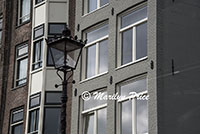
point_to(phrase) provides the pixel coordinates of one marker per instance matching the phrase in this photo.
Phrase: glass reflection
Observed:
(127, 40)
(103, 56)
(142, 117)
(126, 117)
(102, 115)
(92, 102)
(91, 61)
(141, 41)
(134, 17)
(89, 124)
(136, 86)
(97, 34)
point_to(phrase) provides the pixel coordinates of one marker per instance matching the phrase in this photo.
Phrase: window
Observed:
(56, 29)
(38, 1)
(52, 112)
(24, 11)
(133, 109)
(94, 115)
(37, 54)
(1, 25)
(17, 116)
(21, 64)
(38, 31)
(91, 5)
(133, 35)
(34, 100)
(34, 114)
(33, 121)
(97, 51)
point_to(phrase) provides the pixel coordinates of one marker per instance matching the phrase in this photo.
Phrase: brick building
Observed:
(147, 47)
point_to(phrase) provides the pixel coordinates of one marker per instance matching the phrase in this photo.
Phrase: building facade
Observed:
(146, 52)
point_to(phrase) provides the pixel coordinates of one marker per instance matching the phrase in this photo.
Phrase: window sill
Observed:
(36, 70)
(26, 22)
(131, 63)
(93, 77)
(20, 86)
(39, 4)
(95, 10)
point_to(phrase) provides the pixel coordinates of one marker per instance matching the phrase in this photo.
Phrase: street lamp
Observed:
(65, 53)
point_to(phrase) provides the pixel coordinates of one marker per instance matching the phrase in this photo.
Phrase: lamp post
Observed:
(65, 53)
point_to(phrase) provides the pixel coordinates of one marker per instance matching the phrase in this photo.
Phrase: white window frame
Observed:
(91, 111)
(18, 58)
(86, 7)
(18, 122)
(133, 102)
(133, 27)
(95, 42)
(19, 13)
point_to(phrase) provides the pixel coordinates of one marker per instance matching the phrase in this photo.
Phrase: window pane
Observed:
(133, 17)
(38, 52)
(0, 35)
(52, 121)
(103, 2)
(92, 5)
(56, 28)
(39, 31)
(91, 61)
(89, 124)
(92, 102)
(22, 51)
(1, 23)
(22, 68)
(17, 129)
(136, 86)
(25, 10)
(31, 121)
(37, 119)
(35, 101)
(17, 116)
(141, 41)
(102, 121)
(142, 117)
(126, 117)
(52, 98)
(127, 40)
(38, 1)
(96, 34)
(103, 56)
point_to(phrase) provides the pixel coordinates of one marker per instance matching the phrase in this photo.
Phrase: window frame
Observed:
(34, 109)
(133, 27)
(38, 28)
(54, 34)
(97, 43)
(16, 123)
(40, 61)
(133, 103)
(17, 59)
(19, 22)
(50, 105)
(86, 6)
(90, 111)
(35, 96)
